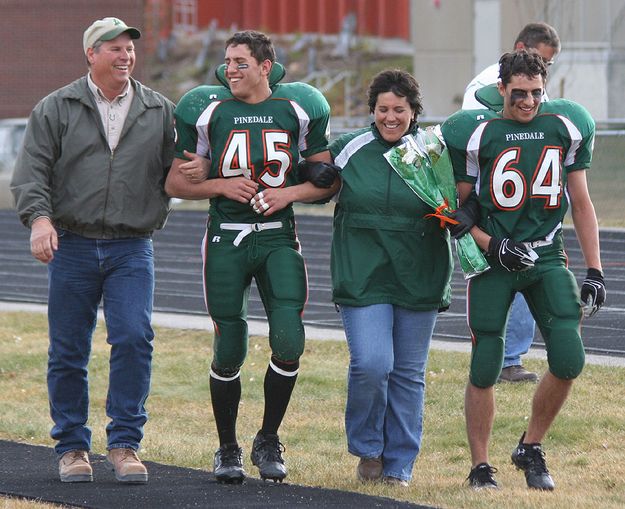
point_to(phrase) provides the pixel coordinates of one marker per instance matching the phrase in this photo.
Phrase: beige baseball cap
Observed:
(106, 29)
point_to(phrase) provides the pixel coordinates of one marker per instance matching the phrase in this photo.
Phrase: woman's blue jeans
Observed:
(388, 348)
(120, 273)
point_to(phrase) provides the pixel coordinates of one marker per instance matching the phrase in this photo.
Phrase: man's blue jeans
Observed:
(120, 273)
(388, 348)
(519, 332)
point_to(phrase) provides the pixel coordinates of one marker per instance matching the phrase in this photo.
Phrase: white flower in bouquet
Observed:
(434, 143)
(409, 156)
(434, 151)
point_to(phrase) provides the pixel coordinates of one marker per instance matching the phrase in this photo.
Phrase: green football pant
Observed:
(273, 259)
(553, 298)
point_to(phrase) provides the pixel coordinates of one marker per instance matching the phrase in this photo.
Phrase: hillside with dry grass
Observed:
(341, 72)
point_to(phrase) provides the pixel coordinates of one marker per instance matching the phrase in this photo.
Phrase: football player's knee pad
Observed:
(565, 350)
(486, 361)
(230, 342)
(234, 328)
(286, 334)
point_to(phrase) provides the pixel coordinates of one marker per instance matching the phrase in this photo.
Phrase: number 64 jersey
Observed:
(262, 141)
(520, 170)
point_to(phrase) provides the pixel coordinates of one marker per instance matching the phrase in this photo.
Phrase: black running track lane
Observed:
(179, 283)
(28, 471)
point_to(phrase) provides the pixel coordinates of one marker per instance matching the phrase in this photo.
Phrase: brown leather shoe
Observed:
(517, 374)
(74, 467)
(127, 466)
(369, 469)
(395, 481)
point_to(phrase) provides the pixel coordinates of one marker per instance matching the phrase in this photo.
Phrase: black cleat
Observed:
(481, 477)
(229, 464)
(531, 459)
(267, 456)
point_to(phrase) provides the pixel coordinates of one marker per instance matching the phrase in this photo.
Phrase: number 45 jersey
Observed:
(520, 170)
(262, 141)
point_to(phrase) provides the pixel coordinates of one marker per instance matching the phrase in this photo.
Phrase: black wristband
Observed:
(493, 246)
(594, 273)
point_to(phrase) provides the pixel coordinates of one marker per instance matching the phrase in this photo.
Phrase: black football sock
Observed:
(225, 396)
(279, 382)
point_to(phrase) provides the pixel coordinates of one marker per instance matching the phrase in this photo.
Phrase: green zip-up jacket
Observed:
(65, 169)
(383, 249)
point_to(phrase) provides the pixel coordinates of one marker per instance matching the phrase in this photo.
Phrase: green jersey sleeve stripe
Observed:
(576, 140)
(473, 150)
(203, 144)
(304, 122)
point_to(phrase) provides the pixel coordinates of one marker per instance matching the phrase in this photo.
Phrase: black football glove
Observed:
(593, 292)
(318, 173)
(467, 215)
(514, 256)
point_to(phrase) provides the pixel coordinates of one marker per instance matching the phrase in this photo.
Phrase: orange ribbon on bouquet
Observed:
(438, 213)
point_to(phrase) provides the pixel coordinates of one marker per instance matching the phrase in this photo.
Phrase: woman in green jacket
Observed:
(391, 271)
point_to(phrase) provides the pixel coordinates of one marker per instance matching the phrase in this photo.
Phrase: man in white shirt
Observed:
(540, 37)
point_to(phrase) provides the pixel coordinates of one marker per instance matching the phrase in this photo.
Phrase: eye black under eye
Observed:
(519, 95)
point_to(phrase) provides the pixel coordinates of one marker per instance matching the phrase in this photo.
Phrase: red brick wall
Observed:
(41, 46)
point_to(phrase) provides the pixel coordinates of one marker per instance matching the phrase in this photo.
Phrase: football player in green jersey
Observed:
(543, 39)
(526, 164)
(239, 145)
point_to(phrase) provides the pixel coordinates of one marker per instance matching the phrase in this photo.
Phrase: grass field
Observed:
(584, 448)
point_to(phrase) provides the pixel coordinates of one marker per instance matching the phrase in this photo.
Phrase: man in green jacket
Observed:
(89, 183)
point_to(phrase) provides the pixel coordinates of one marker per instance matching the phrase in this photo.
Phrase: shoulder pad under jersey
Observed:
(490, 97)
(196, 100)
(275, 75)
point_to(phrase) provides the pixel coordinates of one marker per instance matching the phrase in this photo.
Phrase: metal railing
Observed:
(325, 81)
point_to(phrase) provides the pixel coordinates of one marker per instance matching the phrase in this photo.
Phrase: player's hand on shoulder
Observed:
(593, 292)
(318, 173)
(513, 256)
